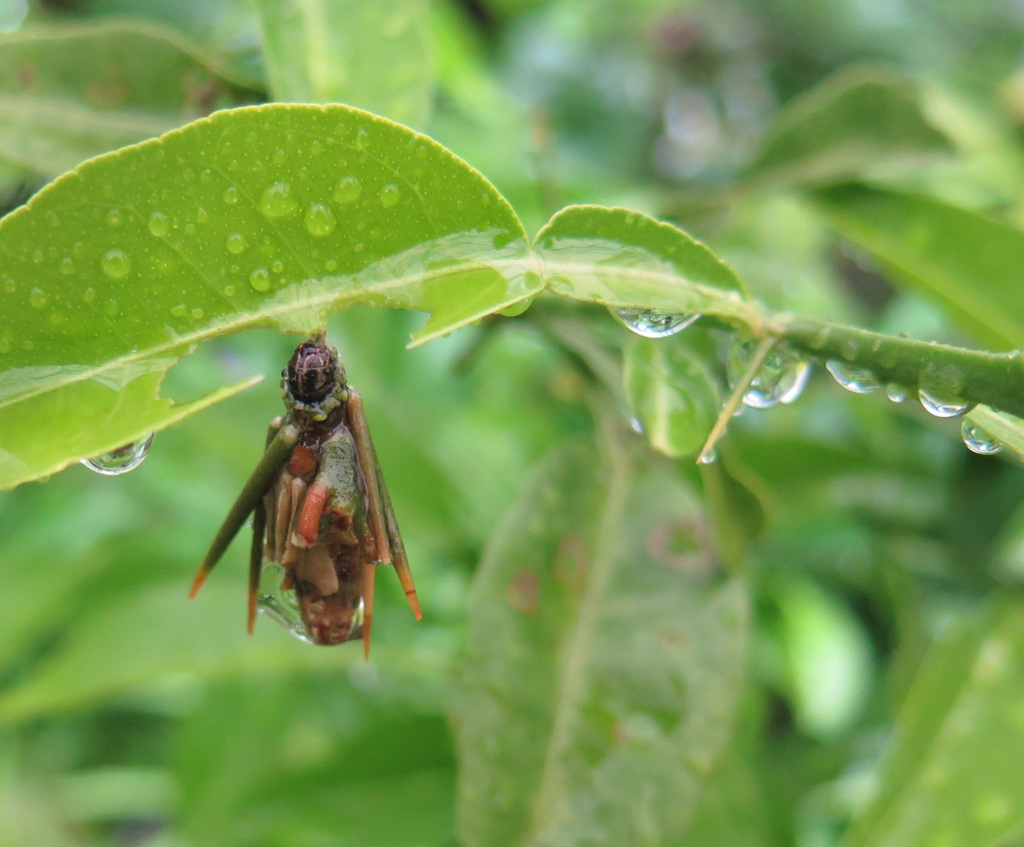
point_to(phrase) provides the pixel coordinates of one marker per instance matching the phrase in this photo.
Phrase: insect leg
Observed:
(259, 523)
(381, 513)
(369, 572)
(274, 456)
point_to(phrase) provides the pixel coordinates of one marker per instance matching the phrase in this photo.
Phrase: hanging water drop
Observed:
(708, 458)
(857, 380)
(121, 460)
(780, 379)
(943, 407)
(896, 393)
(651, 323)
(979, 440)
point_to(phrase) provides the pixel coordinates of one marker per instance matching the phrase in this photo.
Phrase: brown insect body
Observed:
(321, 508)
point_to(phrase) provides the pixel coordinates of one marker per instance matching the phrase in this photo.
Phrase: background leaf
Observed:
(69, 93)
(951, 769)
(376, 56)
(859, 121)
(672, 393)
(966, 261)
(268, 215)
(603, 674)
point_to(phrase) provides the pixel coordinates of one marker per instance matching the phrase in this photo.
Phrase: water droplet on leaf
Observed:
(857, 380)
(389, 195)
(708, 458)
(236, 243)
(347, 190)
(320, 220)
(651, 323)
(115, 217)
(277, 201)
(37, 298)
(231, 195)
(179, 311)
(159, 224)
(121, 460)
(979, 440)
(259, 279)
(66, 266)
(116, 264)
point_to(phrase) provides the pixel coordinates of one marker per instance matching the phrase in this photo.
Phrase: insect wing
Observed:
(282, 438)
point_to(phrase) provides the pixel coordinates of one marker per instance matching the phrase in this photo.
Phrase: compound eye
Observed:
(311, 372)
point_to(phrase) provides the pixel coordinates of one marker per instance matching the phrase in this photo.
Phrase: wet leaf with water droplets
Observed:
(781, 378)
(83, 381)
(627, 260)
(857, 380)
(604, 702)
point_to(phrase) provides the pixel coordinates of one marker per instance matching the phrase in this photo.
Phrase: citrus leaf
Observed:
(951, 774)
(672, 394)
(860, 119)
(626, 259)
(968, 262)
(376, 56)
(68, 93)
(605, 664)
(268, 215)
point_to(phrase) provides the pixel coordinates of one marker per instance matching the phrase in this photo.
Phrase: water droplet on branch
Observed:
(979, 440)
(857, 380)
(121, 460)
(781, 378)
(943, 407)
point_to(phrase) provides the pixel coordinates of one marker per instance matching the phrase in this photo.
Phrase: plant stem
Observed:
(994, 379)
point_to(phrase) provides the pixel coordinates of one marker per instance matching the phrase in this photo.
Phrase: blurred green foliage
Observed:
(617, 647)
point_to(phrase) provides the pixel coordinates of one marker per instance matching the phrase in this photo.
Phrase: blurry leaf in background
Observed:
(605, 662)
(375, 56)
(272, 215)
(968, 262)
(951, 773)
(672, 393)
(72, 92)
(863, 120)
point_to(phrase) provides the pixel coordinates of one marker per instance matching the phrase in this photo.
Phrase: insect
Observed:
(321, 510)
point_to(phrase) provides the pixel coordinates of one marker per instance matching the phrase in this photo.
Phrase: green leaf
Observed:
(856, 121)
(672, 393)
(72, 92)
(605, 664)
(376, 56)
(968, 262)
(623, 258)
(271, 215)
(953, 767)
(127, 645)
